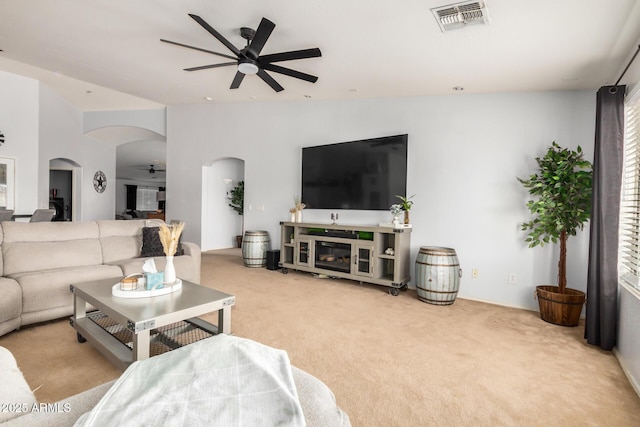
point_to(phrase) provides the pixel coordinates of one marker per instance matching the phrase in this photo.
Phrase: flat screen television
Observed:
(365, 174)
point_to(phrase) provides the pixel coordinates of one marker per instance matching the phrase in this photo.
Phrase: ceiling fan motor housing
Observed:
(247, 33)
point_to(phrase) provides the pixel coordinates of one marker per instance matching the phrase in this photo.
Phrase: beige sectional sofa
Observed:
(38, 262)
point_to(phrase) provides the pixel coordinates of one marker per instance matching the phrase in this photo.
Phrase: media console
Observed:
(378, 255)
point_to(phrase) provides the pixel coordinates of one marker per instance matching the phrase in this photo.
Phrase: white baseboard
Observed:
(633, 381)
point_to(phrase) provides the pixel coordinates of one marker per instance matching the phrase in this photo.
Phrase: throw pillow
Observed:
(151, 244)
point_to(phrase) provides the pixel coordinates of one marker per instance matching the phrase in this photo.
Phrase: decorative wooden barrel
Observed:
(438, 275)
(255, 245)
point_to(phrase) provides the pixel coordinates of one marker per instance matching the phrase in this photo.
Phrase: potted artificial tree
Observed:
(562, 186)
(236, 202)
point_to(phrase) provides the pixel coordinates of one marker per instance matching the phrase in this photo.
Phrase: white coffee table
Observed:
(141, 315)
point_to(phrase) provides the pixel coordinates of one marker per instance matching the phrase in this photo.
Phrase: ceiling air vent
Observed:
(458, 15)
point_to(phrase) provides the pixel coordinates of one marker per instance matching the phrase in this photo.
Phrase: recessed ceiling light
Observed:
(208, 98)
(353, 90)
(88, 92)
(458, 88)
(307, 96)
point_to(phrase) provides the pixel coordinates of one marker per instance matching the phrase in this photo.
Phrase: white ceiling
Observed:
(107, 54)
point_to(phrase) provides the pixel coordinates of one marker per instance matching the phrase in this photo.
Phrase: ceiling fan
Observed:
(249, 60)
(151, 169)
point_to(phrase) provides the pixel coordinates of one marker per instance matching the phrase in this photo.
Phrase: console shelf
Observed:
(371, 254)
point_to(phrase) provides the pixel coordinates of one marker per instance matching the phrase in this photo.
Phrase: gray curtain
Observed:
(602, 280)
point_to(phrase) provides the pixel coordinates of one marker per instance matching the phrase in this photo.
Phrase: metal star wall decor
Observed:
(1, 138)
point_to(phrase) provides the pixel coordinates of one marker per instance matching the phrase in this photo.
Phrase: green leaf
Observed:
(562, 195)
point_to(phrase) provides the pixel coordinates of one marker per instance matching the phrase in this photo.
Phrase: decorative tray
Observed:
(141, 292)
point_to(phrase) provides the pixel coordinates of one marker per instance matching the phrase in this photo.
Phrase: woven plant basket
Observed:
(560, 309)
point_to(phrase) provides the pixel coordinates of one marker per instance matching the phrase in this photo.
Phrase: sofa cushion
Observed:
(151, 244)
(15, 394)
(11, 300)
(24, 257)
(49, 289)
(49, 231)
(119, 247)
(49, 245)
(10, 305)
(119, 239)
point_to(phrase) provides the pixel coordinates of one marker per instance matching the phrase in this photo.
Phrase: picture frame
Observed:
(7, 183)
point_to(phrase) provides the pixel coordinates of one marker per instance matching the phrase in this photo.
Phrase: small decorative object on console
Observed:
(299, 206)
(396, 210)
(406, 206)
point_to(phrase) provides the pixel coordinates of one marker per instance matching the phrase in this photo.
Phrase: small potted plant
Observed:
(562, 187)
(395, 210)
(406, 204)
(236, 202)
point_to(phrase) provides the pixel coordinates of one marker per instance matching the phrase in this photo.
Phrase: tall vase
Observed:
(169, 272)
(299, 215)
(406, 217)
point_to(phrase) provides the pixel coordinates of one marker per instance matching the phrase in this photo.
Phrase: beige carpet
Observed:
(391, 361)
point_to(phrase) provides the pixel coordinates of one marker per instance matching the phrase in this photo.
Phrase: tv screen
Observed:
(365, 174)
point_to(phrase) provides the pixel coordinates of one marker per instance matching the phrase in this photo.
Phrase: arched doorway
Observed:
(220, 223)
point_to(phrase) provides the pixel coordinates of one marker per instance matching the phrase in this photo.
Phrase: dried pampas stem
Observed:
(169, 237)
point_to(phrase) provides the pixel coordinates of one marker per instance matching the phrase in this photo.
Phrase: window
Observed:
(629, 245)
(146, 199)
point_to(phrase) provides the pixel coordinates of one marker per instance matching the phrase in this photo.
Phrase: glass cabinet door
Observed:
(363, 260)
(303, 252)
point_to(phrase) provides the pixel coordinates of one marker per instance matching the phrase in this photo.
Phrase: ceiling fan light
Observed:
(247, 68)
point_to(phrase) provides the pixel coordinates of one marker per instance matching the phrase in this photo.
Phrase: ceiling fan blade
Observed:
(205, 67)
(269, 80)
(197, 48)
(290, 72)
(288, 56)
(235, 84)
(217, 35)
(260, 38)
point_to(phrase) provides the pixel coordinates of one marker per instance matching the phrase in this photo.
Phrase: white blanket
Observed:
(219, 381)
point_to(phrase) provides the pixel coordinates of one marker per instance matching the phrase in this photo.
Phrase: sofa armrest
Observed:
(15, 394)
(318, 402)
(194, 251)
(65, 412)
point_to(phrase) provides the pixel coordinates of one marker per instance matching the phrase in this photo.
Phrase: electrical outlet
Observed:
(513, 279)
(474, 273)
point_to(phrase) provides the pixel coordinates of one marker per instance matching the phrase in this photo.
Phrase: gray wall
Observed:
(465, 152)
(39, 126)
